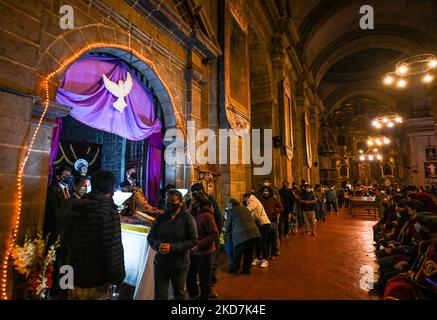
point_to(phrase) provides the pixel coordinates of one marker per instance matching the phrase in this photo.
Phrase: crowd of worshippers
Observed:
(187, 232)
(405, 240)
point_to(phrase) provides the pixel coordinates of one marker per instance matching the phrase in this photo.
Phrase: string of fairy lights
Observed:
(19, 198)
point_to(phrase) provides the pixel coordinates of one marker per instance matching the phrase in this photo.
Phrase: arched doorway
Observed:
(118, 153)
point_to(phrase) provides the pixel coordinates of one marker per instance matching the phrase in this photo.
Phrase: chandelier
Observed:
(387, 119)
(378, 141)
(415, 65)
(372, 156)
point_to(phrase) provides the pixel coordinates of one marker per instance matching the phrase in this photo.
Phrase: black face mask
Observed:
(133, 176)
(404, 214)
(67, 180)
(172, 208)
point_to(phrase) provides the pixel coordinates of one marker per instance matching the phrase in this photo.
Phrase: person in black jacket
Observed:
(244, 233)
(173, 235)
(92, 241)
(287, 200)
(218, 218)
(202, 253)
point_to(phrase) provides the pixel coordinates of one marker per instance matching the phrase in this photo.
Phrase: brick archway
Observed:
(100, 38)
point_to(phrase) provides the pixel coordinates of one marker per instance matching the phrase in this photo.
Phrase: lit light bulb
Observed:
(379, 157)
(389, 80)
(375, 150)
(398, 119)
(378, 126)
(370, 142)
(390, 124)
(375, 123)
(385, 120)
(361, 151)
(387, 141)
(378, 142)
(428, 78)
(402, 69)
(362, 158)
(402, 83)
(371, 158)
(432, 63)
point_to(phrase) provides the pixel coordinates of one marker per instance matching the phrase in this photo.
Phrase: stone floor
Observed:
(323, 267)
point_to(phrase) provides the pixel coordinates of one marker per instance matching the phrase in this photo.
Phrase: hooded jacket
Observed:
(92, 242)
(206, 229)
(257, 210)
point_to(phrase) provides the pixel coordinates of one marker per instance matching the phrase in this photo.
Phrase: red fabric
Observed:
(429, 205)
(399, 288)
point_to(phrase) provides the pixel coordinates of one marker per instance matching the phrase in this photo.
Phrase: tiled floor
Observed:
(323, 267)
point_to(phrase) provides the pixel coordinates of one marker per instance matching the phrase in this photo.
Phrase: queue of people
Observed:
(186, 234)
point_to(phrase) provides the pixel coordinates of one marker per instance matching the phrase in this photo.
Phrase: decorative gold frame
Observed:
(308, 146)
(287, 105)
(237, 113)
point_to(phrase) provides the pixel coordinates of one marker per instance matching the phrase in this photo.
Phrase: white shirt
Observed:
(257, 210)
(64, 190)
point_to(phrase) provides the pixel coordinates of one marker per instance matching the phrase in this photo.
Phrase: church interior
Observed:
(337, 99)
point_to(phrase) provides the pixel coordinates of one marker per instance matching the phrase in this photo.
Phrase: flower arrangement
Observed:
(35, 262)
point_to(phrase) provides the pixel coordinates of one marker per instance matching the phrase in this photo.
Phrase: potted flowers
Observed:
(35, 261)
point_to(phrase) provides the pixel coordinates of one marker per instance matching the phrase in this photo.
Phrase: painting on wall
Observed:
(308, 140)
(288, 119)
(237, 68)
(431, 169)
(430, 154)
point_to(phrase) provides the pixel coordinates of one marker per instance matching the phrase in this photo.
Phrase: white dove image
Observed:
(120, 90)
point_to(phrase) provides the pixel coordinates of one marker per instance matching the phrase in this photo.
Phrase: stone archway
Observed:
(60, 54)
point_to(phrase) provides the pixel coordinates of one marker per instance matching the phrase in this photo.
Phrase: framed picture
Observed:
(308, 140)
(430, 154)
(431, 169)
(237, 67)
(287, 124)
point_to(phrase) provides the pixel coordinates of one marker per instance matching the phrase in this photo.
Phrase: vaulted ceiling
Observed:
(346, 60)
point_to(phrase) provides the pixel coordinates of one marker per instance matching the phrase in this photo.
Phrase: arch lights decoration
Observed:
(20, 175)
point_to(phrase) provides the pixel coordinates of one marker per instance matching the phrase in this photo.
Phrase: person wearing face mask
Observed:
(202, 254)
(58, 198)
(137, 205)
(82, 186)
(172, 236)
(92, 241)
(268, 183)
(130, 181)
(309, 203)
(264, 225)
(409, 237)
(57, 195)
(273, 208)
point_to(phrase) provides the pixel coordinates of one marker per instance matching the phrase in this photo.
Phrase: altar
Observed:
(363, 206)
(138, 260)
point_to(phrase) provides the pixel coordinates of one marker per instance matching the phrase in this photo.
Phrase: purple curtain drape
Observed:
(84, 90)
(56, 134)
(154, 168)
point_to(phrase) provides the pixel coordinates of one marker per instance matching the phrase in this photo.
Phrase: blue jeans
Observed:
(229, 251)
(320, 211)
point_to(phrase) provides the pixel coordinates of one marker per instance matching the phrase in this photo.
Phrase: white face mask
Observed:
(88, 188)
